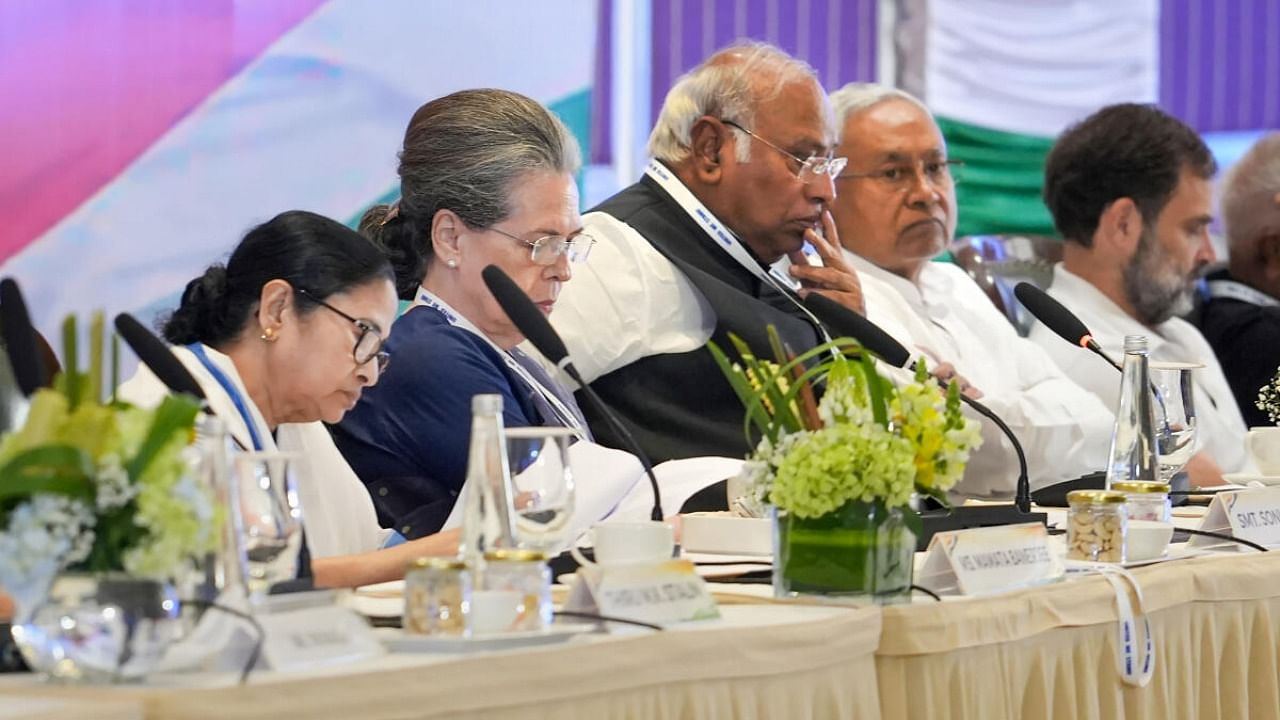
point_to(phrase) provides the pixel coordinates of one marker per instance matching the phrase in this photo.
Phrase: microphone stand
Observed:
(623, 433)
(975, 516)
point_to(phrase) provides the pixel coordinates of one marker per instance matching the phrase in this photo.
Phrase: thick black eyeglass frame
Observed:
(382, 356)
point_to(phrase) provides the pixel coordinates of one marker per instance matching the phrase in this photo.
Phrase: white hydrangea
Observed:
(114, 488)
(45, 534)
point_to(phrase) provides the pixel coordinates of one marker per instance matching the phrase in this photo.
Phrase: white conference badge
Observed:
(981, 561)
(1252, 515)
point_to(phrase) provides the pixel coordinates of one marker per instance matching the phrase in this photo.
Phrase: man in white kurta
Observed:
(895, 211)
(1129, 190)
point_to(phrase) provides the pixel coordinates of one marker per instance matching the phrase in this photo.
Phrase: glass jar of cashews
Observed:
(1097, 522)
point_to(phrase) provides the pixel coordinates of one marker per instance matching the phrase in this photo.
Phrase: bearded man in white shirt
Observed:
(1128, 188)
(895, 211)
(741, 178)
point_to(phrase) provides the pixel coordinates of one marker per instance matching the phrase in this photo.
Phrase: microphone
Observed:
(20, 339)
(531, 323)
(158, 358)
(846, 322)
(1059, 319)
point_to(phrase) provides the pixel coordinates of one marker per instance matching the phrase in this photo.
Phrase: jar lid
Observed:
(1096, 497)
(1139, 486)
(437, 562)
(515, 555)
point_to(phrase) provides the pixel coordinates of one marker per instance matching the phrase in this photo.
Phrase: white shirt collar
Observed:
(1103, 317)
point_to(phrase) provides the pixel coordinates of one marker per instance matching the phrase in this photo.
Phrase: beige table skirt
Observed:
(1051, 652)
(822, 667)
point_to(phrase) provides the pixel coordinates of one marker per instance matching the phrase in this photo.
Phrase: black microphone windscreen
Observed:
(157, 356)
(528, 319)
(846, 322)
(20, 338)
(1052, 313)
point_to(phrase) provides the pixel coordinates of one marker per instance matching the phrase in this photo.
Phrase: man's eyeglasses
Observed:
(547, 250)
(939, 173)
(368, 344)
(811, 167)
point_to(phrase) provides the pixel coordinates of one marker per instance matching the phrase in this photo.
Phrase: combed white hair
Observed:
(1249, 209)
(856, 97)
(730, 84)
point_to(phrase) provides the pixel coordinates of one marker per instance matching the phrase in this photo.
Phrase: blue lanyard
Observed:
(232, 391)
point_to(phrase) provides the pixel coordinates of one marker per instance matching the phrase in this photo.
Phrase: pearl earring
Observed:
(451, 263)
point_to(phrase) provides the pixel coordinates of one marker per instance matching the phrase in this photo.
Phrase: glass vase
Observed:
(860, 553)
(106, 628)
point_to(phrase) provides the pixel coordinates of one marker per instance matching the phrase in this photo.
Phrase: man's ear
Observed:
(1120, 228)
(709, 146)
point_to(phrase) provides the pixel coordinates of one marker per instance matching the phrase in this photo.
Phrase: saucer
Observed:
(402, 642)
(1245, 478)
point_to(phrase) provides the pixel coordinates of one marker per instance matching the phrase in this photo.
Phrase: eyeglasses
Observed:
(939, 173)
(547, 250)
(811, 167)
(368, 345)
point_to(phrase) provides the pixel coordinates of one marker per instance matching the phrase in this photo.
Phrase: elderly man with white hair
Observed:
(1241, 320)
(895, 212)
(741, 177)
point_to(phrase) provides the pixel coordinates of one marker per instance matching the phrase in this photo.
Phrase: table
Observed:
(1046, 652)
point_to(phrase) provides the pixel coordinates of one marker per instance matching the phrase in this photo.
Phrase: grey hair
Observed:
(856, 97)
(730, 84)
(1248, 199)
(464, 152)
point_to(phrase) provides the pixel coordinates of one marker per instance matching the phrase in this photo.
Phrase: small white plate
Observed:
(402, 642)
(1245, 478)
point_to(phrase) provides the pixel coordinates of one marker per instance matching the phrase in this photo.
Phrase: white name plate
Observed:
(1252, 515)
(659, 593)
(981, 561)
(312, 637)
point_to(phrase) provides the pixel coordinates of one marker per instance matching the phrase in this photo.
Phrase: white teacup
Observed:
(628, 543)
(1147, 540)
(494, 611)
(1264, 446)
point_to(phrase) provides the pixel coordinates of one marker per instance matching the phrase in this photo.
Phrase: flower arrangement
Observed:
(865, 440)
(1269, 398)
(95, 485)
(839, 452)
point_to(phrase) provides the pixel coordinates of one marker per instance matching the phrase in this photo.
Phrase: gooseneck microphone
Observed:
(533, 324)
(20, 339)
(1059, 319)
(158, 358)
(846, 322)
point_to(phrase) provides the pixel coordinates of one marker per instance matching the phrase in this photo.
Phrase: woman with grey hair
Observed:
(486, 177)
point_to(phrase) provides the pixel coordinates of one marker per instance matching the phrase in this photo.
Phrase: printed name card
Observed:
(1252, 515)
(981, 561)
(659, 593)
(309, 637)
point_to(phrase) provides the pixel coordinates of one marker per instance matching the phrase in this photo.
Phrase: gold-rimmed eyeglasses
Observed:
(368, 344)
(547, 250)
(811, 167)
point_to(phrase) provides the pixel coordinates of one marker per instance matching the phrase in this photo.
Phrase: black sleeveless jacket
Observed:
(679, 405)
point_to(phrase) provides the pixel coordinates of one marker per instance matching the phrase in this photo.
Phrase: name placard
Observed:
(1252, 515)
(988, 560)
(310, 637)
(665, 592)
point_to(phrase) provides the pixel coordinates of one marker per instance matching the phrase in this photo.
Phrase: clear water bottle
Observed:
(488, 521)
(1133, 456)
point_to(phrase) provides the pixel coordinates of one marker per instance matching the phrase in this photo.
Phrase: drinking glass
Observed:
(543, 485)
(1175, 415)
(271, 517)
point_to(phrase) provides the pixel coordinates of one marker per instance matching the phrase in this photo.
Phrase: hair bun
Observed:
(199, 312)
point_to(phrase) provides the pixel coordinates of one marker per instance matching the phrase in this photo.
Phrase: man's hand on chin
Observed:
(834, 278)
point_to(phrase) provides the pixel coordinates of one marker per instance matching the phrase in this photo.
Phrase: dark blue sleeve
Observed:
(408, 436)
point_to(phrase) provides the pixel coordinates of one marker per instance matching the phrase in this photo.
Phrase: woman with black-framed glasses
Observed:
(286, 334)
